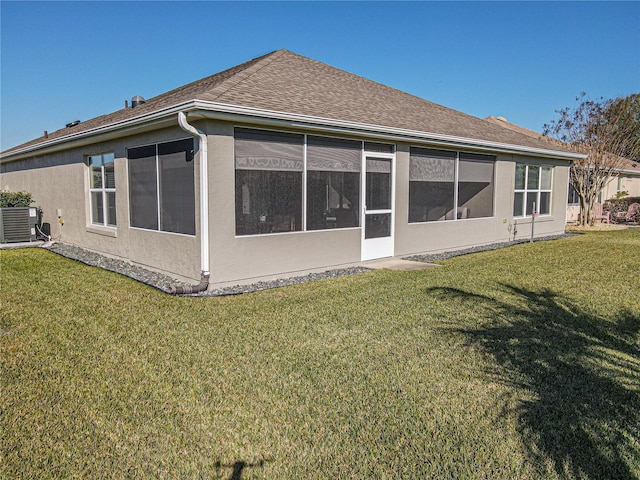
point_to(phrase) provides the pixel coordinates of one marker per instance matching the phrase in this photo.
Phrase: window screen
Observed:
(378, 184)
(269, 169)
(475, 186)
(161, 187)
(143, 187)
(431, 184)
(262, 150)
(333, 183)
(177, 191)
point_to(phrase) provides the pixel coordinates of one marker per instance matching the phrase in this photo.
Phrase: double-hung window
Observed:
(532, 190)
(161, 187)
(102, 189)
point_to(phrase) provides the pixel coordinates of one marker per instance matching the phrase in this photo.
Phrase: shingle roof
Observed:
(283, 81)
(626, 164)
(517, 128)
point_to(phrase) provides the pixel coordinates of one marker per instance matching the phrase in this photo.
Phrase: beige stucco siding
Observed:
(626, 182)
(412, 238)
(61, 181)
(238, 258)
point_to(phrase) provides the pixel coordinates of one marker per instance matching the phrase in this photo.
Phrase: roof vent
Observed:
(502, 119)
(137, 100)
(72, 124)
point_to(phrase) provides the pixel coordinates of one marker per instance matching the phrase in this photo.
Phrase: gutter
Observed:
(204, 209)
(229, 112)
(222, 111)
(85, 137)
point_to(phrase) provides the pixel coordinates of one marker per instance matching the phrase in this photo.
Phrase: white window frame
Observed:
(525, 191)
(103, 190)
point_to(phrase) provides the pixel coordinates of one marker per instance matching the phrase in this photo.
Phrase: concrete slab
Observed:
(397, 264)
(8, 246)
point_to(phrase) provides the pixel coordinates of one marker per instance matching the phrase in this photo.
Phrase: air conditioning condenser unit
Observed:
(18, 224)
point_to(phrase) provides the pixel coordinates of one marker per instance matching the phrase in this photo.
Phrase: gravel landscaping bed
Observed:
(154, 279)
(163, 282)
(434, 257)
(283, 282)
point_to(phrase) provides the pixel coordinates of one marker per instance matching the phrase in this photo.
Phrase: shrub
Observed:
(15, 199)
(621, 194)
(621, 205)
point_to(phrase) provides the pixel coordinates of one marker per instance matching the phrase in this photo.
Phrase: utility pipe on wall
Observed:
(204, 209)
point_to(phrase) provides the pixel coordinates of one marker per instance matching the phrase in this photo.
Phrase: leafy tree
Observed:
(605, 131)
(624, 114)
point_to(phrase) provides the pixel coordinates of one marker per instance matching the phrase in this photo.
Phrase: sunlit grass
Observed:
(515, 363)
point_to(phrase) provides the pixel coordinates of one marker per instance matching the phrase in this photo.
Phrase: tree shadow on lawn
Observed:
(582, 371)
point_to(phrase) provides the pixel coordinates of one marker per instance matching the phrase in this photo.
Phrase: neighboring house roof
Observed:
(631, 166)
(627, 166)
(283, 82)
(517, 128)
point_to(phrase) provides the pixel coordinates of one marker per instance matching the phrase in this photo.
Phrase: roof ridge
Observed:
(229, 71)
(385, 86)
(258, 64)
(128, 112)
(285, 81)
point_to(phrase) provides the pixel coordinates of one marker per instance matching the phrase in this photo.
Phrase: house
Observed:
(284, 164)
(573, 206)
(627, 180)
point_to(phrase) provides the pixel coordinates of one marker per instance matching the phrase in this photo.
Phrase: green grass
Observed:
(516, 363)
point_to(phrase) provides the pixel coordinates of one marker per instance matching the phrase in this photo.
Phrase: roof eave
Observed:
(232, 112)
(223, 111)
(148, 121)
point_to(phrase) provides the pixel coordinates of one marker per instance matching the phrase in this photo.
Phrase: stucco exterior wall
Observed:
(428, 237)
(241, 258)
(626, 182)
(61, 181)
(545, 225)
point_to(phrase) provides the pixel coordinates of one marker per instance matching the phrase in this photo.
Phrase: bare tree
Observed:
(596, 129)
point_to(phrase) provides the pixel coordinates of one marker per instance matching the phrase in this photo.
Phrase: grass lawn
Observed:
(522, 363)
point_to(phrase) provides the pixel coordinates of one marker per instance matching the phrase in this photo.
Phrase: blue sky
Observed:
(63, 61)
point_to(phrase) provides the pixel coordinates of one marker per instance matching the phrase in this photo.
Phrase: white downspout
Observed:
(204, 207)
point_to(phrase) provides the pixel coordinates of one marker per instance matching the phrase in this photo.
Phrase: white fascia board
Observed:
(630, 172)
(213, 110)
(103, 132)
(223, 111)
